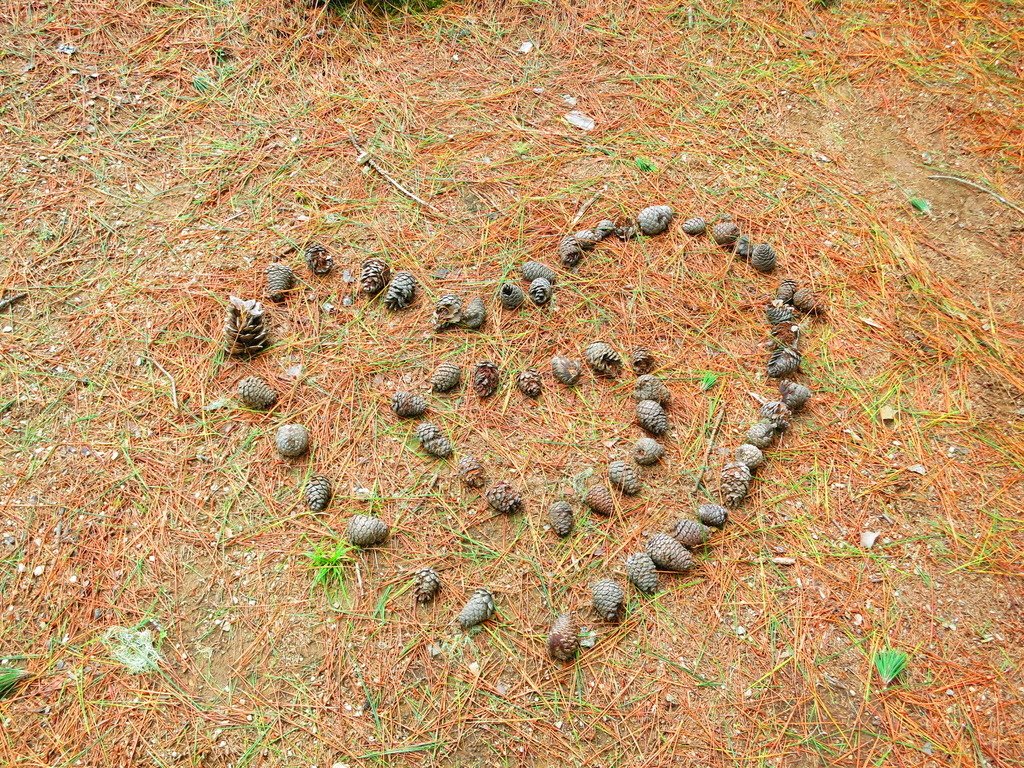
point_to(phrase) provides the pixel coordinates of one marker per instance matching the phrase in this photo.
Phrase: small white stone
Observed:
(38, 570)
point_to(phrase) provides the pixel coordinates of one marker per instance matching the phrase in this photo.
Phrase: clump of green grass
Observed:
(329, 564)
(890, 664)
(9, 679)
(645, 165)
(708, 379)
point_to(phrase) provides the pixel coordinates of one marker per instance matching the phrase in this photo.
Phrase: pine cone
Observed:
(624, 477)
(529, 382)
(531, 270)
(627, 228)
(640, 571)
(446, 377)
(427, 585)
(319, 261)
(564, 640)
(749, 455)
(561, 517)
(292, 440)
(588, 239)
(599, 500)
(762, 258)
(642, 360)
(786, 290)
(565, 370)
(777, 414)
(604, 228)
(777, 312)
(485, 378)
(511, 296)
(651, 416)
(407, 405)
(474, 314)
(650, 387)
(471, 472)
(743, 249)
(570, 251)
(794, 395)
(280, 280)
(255, 393)
(366, 530)
(808, 301)
(713, 515)
(690, 533)
(783, 361)
(761, 434)
(433, 440)
(608, 600)
(504, 498)
(695, 226)
(540, 291)
(401, 292)
(725, 233)
(318, 493)
(603, 359)
(735, 483)
(647, 451)
(245, 330)
(786, 333)
(375, 276)
(655, 219)
(447, 312)
(478, 609)
(668, 554)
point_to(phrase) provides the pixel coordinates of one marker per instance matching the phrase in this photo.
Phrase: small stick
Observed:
(980, 188)
(761, 400)
(174, 389)
(366, 159)
(586, 207)
(707, 453)
(10, 301)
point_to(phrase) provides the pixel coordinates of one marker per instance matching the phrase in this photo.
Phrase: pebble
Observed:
(38, 570)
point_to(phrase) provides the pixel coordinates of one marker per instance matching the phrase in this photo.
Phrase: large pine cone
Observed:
(808, 301)
(408, 405)
(648, 451)
(447, 312)
(777, 414)
(650, 387)
(374, 276)
(599, 500)
(529, 382)
(504, 498)
(471, 472)
(366, 530)
(446, 377)
(564, 640)
(778, 312)
(401, 292)
(695, 226)
(511, 296)
(750, 455)
(280, 280)
(735, 483)
(474, 313)
(427, 585)
(433, 440)
(668, 554)
(540, 291)
(761, 434)
(565, 370)
(762, 258)
(319, 261)
(655, 219)
(245, 330)
(561, 518)
(485, 378)
(255, 393)
(641, 572)
(725, 233)
(533, 269)
(608, 600)
(793, 394)
(624, 477)
(713, 515)
(783, 361)
(318, 493)
(691, 533)
(477, 610)
(292, 440)
(642, 360)
(570, 251)
(651, 416)
(603, 359)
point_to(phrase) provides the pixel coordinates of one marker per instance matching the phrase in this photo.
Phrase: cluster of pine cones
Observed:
(726, 233)
(651, 221)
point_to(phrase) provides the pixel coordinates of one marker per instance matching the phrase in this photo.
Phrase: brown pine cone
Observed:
(725, 233)
(375, 276)
(713, 515)
(570, 251)
(793, 394)
(531, 270)
(778, 313)
(786, 333)
(319, 261)
(750, 455)
(777, 414)
(280, 280)
(565, 370)
(786, 290)
(447, 312)
(642, 360)
(603, 359)
(446, 377)
(808, 301)
(651, 417)
(407, 405)
(427, 585)
(761, 434)
(433, 440)
(471, 472)
(401, 292)
(529, 383)
(245, 329)
(564, 640)
(735, 483)
(783, 361)
(485, 378)
(648, 451)
(608, 600)
(561, 517)
(366, 530)
(691, 533)
(511, 296)
(668, 554)
(642, 573)
(504, 498)
(255, 393)
(318, 493)
(650, 387)
(599, 500)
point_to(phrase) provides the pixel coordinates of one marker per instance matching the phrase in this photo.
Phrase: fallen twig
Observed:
(586, 207)
(10, 301)
(707, 452)
(174, 389)
(365, 158)
(980, 188)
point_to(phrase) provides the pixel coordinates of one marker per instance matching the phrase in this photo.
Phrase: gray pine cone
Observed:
(531, 270)
(426, 585)
(374, 276)
(530, 383)
(642, 573)
(735, 483)
(471, 472)
(319, 261)
(651, 416)
(565, 370)
(793, 394)
(627, 228)
(650, 387)
(714, 515)
(783, 361)
(540, 291)
(608, 599)
(762, 258)
(603, 359)
(447, 312)
(588, 239)
(292, 440)
(511, 296)
(255, 393)
(761, 434)
(502, 497)
(561, 517)
(725, 233)
(786, 290)
(647, 451)
(743, 249)
(564, 638)
(642, 360)
(691, 533)
(599, 500)
(477, 610)
(655, 219)
(433, 440)
(695, 226)
(318, 493)
(474, 313)
(668, 554)
(280, 280)
(604, 228)
(624, 477)
(366, 530)
(778, 312)
(407, 405)
(401, 292)
(777, 414)
(750, 455)
(245, 328)
(446, 377)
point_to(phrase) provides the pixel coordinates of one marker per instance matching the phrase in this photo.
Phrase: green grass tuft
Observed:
(9, 679)
(890, 664)
(645, 165)
(329, 564)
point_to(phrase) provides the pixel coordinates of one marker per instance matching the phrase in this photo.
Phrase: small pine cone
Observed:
(786, 333)
(447, 312)
(762, 258)
(647, 451)
(642, 360)
(691, 533)
(375, 276)
(540, 291)
(280, 280)
(319, 261)
(778, 312)
(485, 378)
(713, 515)
(608, 600)
(651, 416)
(655, 219)
(725, 233)
(695, 226)
(570, 251)
(511, 296)
(245, 330)
(531, 270)
(564, 638)
(408, 405)
(529, 382)
(433, 440)
(588, 239)
(561, 517)
(604, 228)
(783, 361)
(599, 500)
(750, 455)
(786, 290)
(603, 359)
(446, 377)
(474, 313)
(504, 498)
(777, 414)
(743, 249)
(366, 530)
(471, 472)
(565, 370)
(793, 394)
(624, 477)
(255, 393)
(318, 493)
(650, 387)
(668, 554)
(735, 483)
(808, 301)
(477, 610)
(401, 292)
(426, 585)
(626, 229)
(761, 434)
(292, 440)
(642, 573)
